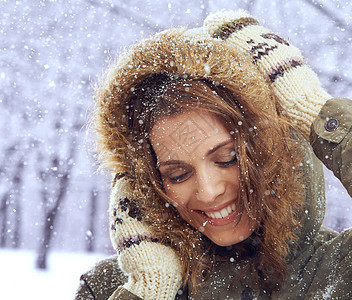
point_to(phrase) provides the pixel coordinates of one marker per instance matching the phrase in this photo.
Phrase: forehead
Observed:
(190, 133)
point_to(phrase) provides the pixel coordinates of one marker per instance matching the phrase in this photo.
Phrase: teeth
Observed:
(211, 215)
(222, 213)
(217, 215)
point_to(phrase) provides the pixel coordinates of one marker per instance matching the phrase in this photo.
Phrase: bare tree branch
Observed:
(340, 23)
(90, 244)
(250, 5)
(51, 213)
(128, 14)
(205, 8)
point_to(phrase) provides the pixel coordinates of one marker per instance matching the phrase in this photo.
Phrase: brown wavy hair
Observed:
(267, 157)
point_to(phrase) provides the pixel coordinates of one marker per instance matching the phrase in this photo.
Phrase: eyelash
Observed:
(228, 163)
(224, 164)
(179, 178)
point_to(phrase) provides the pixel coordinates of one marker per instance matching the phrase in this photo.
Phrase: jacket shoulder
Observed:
(331, 139)
(101, 281)
(334, 272)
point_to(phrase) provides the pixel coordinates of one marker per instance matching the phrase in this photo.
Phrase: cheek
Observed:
(179, 194)
(235, 175)
(230, 176)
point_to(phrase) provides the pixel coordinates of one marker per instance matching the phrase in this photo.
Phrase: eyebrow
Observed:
(180, 162)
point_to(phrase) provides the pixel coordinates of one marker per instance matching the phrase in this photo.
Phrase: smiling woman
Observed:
(203, 183)
(207, 149)
(198, 145)
(216, 191)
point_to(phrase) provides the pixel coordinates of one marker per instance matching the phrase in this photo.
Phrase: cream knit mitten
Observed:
(154, 270)
(294, 83)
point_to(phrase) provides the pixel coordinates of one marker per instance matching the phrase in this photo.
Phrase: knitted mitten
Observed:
(154, 270)
(294, 83)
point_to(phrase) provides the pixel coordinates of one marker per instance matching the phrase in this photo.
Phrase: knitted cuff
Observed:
(294, 83)
(154, 270)
(126, 227)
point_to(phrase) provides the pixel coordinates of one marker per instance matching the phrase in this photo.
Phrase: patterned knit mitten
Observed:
(294, 83)
(153, 269)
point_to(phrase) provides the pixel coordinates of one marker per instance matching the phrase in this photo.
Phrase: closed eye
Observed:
(184, 176)
(228, 163)
(180, 178)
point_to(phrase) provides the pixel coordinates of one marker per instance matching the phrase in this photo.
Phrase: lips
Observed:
(220, 217)
(223, 213)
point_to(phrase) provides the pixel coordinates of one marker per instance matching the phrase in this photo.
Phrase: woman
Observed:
(217, 193)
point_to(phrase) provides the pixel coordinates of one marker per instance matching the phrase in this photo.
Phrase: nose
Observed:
(209, 185)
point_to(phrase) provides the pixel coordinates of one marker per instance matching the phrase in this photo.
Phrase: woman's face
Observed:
(197, 161)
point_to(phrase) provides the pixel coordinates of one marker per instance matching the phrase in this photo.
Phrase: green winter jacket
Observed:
(320, 267)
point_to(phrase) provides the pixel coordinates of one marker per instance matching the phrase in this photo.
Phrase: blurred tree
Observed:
(90, 235)
(55, 175)
(52, 53)
(10, 206)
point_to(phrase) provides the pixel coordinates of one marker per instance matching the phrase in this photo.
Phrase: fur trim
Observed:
(178, 53)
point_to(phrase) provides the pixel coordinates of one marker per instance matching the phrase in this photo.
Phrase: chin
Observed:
(229, 238)
(227, 242)
(223, 243)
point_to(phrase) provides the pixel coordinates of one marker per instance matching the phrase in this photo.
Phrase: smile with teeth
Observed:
(223, 213)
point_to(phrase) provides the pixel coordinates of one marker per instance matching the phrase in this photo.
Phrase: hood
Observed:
(175, 52)
(188, 54)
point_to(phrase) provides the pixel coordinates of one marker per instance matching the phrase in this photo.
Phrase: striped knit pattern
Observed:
(296, 85)
(228, 28)
(153, 269)
(123, 227)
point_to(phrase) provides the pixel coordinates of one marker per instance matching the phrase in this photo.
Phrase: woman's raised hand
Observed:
(294, 83)
(153, 269)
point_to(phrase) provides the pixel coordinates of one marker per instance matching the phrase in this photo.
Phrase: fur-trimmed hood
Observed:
(188, 54)
(178, 53)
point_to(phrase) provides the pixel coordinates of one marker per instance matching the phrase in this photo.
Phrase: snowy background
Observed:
(53, 203)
